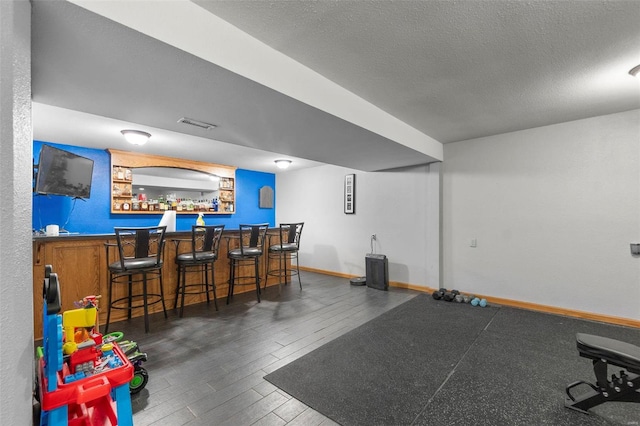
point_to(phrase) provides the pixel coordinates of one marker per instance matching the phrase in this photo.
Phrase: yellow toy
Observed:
(77, 324)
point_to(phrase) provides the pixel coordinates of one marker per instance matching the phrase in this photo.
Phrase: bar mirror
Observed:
(143, 183)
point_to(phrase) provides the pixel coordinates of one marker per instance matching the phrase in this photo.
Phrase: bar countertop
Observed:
(64, 236)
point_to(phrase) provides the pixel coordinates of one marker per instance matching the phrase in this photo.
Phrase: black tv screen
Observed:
(63, 173)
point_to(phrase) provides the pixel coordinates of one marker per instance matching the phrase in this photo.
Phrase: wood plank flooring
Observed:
(207, 368)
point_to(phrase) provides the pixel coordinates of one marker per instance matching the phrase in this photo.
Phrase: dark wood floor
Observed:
(207, 368)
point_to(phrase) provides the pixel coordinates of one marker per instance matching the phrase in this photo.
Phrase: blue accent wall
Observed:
(93, 216)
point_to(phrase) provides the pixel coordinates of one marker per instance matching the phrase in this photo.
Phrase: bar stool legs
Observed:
(236, 264)
(129, 299)
(181, 288)
(106, 327)
(257, 273)
(146, 301)
(283, 272)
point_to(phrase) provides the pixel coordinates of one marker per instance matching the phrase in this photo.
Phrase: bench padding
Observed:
(613, 351)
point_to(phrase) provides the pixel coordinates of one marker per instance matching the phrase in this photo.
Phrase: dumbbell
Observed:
(459, 298)
(479, 302)
(438, 294)
(450, 295)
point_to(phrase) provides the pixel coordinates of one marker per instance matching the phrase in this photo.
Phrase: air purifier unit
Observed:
(376, 267)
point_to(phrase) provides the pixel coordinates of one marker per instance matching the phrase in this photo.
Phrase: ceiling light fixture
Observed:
(136, 137)
(635, 71)
(283, 164)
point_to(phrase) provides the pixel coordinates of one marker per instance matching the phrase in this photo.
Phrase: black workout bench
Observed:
(624, 387)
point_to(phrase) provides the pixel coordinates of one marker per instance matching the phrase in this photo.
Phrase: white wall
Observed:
(16, 288)
(401, 207)
(553, 210)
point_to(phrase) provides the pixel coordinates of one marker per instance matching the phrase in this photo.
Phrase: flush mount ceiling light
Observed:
(136, 137)
(635, 71)
(283, 164)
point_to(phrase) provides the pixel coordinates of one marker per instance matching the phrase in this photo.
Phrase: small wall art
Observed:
(350, 194)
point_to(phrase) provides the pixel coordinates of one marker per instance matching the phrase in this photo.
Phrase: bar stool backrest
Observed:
(140, 247)
(290, 235)
(252, 237)
(205, 238)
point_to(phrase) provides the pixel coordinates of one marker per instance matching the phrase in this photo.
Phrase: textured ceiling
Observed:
(461, 69)
(454, 70)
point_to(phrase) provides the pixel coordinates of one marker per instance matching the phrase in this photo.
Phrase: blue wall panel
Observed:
(93, 216)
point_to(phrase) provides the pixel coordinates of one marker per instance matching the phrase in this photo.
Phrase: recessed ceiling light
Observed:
(136, 137)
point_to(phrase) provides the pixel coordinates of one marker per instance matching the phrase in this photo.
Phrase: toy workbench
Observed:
(81, 381)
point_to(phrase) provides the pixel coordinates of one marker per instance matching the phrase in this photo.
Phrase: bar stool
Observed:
(205, 241)
(286, 250)
(251, 246)
(140, 253)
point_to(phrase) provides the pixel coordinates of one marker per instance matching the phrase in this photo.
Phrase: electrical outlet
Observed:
(473, 243)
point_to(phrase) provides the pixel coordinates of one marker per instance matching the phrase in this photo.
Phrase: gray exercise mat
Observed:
(431, 362)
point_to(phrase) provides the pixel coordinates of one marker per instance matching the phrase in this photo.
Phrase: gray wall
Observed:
(553, 210)
(16, 295)
(401, 207)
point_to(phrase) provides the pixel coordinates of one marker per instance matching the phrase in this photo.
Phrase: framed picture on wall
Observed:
(350, 194)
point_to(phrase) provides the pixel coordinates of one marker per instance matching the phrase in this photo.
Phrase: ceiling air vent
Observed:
(201, 124)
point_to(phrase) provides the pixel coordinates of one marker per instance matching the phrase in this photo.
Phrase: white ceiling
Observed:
(453, 70)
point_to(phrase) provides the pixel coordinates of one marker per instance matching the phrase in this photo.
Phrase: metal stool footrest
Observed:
(157, 298)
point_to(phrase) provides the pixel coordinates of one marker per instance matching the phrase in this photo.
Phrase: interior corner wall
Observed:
(400, 206)
(553, 211)
(16, 289)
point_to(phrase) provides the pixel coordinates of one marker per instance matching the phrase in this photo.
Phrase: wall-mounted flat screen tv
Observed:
(63, 173)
